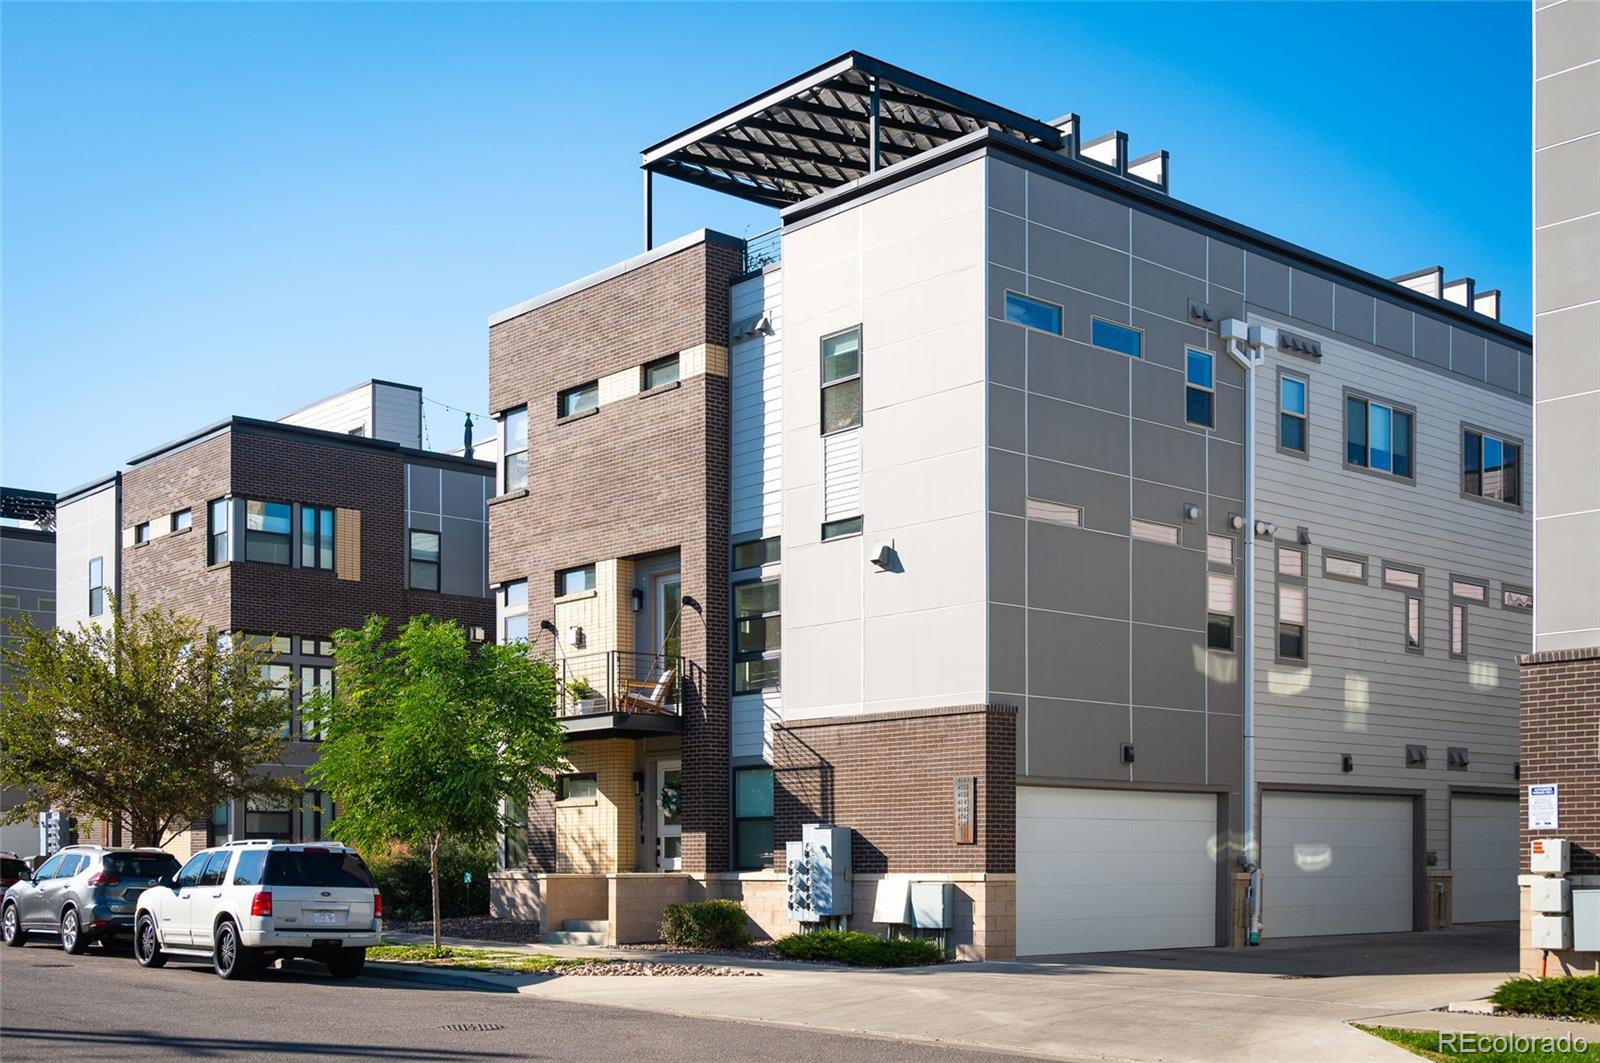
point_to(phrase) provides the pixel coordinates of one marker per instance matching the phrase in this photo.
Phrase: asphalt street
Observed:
(102, 1006)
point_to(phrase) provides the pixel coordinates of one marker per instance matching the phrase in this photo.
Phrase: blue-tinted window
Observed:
(1113, 337)
(1379, 436)
(1200, 399)
(1292, 422)
(1033, 313)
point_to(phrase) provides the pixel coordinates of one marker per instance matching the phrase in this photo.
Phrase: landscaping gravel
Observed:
(473, 927)
(756, 950)
(627, 968)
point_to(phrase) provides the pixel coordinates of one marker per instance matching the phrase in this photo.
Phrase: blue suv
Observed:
(81, 894)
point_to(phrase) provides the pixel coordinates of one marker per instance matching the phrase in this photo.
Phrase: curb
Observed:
(447, 979)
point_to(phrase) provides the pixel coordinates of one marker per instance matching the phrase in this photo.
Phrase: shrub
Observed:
(1576, 997)
(705, 925)
(858, 949)
(402, 878)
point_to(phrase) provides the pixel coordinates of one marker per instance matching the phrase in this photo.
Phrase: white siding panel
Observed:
(1483, 858)
(753, 718)
(841, 475)
(1335, 864)
(1101, 870)
(397, 416)
(755, 368)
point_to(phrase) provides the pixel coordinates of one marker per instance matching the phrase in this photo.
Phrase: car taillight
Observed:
(377, 906)
(103, 878)
(261, 905)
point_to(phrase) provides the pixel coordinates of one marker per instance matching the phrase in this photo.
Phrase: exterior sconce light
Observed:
(1191, 511)
(637, 597)
(1265, 529)
(1236, 521)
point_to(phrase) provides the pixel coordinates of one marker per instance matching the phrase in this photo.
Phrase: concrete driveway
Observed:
(1288, 1000)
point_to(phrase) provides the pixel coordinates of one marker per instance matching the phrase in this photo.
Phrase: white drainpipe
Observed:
(1244, 344)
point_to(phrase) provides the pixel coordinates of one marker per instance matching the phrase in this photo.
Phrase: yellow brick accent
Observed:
(347, 544)
(597, 837)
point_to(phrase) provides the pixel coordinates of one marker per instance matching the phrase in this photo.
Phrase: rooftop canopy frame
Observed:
(834, 124)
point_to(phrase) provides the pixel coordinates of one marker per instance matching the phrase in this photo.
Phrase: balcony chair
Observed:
(648, 695)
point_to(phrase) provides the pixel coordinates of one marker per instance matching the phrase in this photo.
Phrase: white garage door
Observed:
(1483, 858)
(1106, 870)
(1335, 864)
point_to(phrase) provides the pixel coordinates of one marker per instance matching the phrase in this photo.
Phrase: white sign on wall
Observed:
(1543, 807)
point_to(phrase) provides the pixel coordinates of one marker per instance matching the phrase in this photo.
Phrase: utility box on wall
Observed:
(933, 905)
(1552, 932)
(1586, 920)
(1551, 895)
(819, 876)
(1549, 856)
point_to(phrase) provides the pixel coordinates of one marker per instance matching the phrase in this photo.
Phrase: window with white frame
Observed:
(841, 381)
(514, 611)
(514, 463)
(1200, 391)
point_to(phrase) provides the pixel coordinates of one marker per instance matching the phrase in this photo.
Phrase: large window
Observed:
(424, 560)
(1379, 436)
(1200, 394)
(267, 532)
(217, 531)
(316, 537)
(281, 677)
(580, 399)
(755, 554)
(1491, 467)
(1033, 313)
(514, 611)
(1293, 420)
(1114, 337)
(752, 817)
(841, 381)
(97, 586)
(574, 580)
(315, 680)
(756, 638)
(515, 427)
(659, 373)
(1291, 570)
(269, 818)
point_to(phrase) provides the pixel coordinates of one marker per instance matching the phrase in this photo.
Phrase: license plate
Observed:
(325, 918)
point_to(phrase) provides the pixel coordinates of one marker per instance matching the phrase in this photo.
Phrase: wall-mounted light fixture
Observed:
(1191, 511)
(575, 636)
(689, 602)
(1127, 752)
(638, 783)
(1236, 521)
(1265, 529)
(1347, 763)
(548, 625)
(637, 597)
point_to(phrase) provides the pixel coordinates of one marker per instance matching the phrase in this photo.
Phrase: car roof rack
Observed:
(242, 842)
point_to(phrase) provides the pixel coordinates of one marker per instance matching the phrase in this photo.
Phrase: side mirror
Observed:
(168, 880)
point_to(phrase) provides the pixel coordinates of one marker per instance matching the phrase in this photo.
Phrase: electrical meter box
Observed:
(891, 905)
(933, 905)
(1586, 920)
(818, 871)
(1552, 932)
(1551, 895)
(1549, 856)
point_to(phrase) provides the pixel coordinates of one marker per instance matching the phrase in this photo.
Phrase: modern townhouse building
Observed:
(27, 589)
(1068, 543)
(1561, 677)
(286, 531)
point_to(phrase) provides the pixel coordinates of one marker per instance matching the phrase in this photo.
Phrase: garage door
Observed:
(1106, 870)
(1483, 858)
(1335, 864)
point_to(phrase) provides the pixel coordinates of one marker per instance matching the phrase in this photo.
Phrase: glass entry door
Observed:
(669, 815)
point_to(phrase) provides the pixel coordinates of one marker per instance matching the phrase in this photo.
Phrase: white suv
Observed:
(248, 903)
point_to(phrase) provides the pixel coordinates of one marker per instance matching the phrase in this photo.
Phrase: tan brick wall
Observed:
(596, 836)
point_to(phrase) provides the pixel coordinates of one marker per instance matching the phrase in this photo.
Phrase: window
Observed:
(574, 401)
(316, 647)
(247, 869)
(97, 586)
(659, 373)
(756, 636)
(515, 427)
(1463, 591)
(1491, 467)
(1458, 630)
(1343, 566)
(1469, 590)
(841, 381)
(1151, 532)
(272, 818)
(1293, 420)
(315, 680)
(838, 529)
(1410, 581)
(316, 815)
(574, 580)
(1114, 337)
(217, 531)
(1516, 598)
(222, 823)
(1291, 568)
(1219, 550)
(316, 537)
(141, 533)
(216, 868)
(1219, 610)
(49, 868)
(1033, 313)
(1378, 436)
(578, 788)
(190, 873)
(267, 532)
(1403, 578)
(1055, 513)
(1200, 396)
(182, 520)
(514, 611)
(424, 560)
(752, 818)
(281, 679)
(755, 554)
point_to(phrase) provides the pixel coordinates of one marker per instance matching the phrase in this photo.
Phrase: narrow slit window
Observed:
(217, 531)
(1055, 513)
(1413, 623)
(1292, 416)
(580, 399)
(1114, 337)
(424, 560)
(1033, 313)
(1458, 630)
(1219, 610)
(1292, 605)
(1152, 532)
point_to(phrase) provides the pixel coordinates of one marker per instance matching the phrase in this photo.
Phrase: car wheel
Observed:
(73, 939)
(11, 928)
(229, 956)
(349, 964)
(146, 945)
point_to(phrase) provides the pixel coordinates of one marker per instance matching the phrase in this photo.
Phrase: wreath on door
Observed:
(671, 798)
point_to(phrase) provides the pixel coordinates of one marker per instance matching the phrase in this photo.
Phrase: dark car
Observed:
(12, 869)
(81, 894)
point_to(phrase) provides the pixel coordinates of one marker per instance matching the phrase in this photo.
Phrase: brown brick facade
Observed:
(891, 777)
(1561, 744)
(644, 474)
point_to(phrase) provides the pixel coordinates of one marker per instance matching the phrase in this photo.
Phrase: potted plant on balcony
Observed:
(586, 699)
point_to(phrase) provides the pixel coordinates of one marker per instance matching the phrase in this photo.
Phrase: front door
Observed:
(669, 815)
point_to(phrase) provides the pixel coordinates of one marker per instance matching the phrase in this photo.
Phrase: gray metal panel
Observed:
(1067, 657)
(1081, 307)
(1007, 347)
(1226, 466)
(1078, 372)
(1007, 564)
(1071, 209)
(1169, 585)
(1353, 313)
(1008, 648)
(1008, 240)
(1165, 340)
(1078, 571)
(1164, 505)
(1394, 327)
(1102, 496)
(1167, 669)
(1224, 746)
(1169, 746)
(1313, 299)
(1467, 356)
(1075, 739)
(1007, 187)
(1503, 368)
(1227, 264)
(1433, 340)
(464, 495)
(462, 564)
(422, 488)
(1007, 482)
(1169, 455)
(1077, 263)
(1077, 434)
(1176, 246)
(1165, 291)
(1266, 282)
(1006, 409)
(1158, 392)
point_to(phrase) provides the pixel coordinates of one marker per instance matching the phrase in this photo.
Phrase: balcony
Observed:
(605, 695)
(763, 250)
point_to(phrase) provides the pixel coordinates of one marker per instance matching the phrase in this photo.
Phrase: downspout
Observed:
(1243, 345)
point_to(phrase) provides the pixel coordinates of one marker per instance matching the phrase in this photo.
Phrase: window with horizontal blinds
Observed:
(1055, 513)
(1152, 532)
(841, 475)
(1338, 567)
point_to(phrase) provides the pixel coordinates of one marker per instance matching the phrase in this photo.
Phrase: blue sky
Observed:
(215, 209)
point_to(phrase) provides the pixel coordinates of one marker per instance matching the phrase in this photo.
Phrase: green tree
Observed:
(151, 722)
(426, 737)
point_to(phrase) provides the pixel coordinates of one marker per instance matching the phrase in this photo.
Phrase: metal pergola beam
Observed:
(778, 151)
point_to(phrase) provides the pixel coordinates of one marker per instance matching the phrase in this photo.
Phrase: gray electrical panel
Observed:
(933, 905)
(1586, 920)
(819, 878)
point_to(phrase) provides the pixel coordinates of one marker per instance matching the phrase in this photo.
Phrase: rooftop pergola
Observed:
(831, 125)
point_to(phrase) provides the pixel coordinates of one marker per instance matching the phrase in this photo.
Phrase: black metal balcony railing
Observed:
(620, 681)
(762, 250)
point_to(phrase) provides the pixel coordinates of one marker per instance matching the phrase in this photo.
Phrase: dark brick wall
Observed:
(891, 776)
(642, 475)
(1561, 744)
(171, 571)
